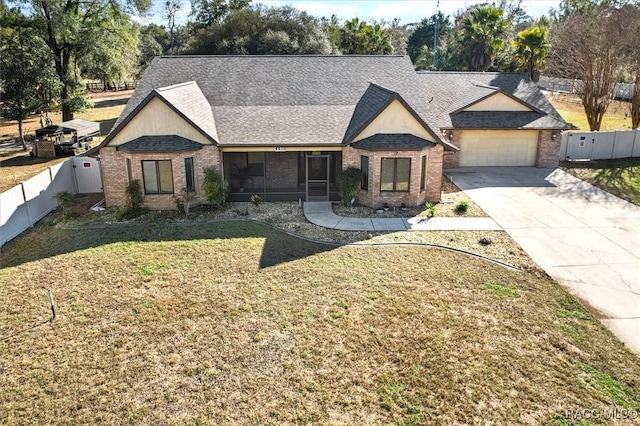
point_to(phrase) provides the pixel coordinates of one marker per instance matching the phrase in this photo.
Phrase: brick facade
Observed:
(115, 177)
(373, 197)
(548, 148)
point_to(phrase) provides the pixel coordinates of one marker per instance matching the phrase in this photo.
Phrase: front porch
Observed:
(282, 175)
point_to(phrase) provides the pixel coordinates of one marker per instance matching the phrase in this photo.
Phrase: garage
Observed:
(498, 148)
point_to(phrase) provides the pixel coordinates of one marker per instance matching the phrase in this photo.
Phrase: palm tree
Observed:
(531, 50)
(482, 29)
(378, 41)
(353, 35)
(359, 38)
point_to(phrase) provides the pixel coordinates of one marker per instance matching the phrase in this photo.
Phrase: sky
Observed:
(408, 11)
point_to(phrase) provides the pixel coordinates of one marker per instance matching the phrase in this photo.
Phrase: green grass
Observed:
(620, 177)
(237, 323)
(616, 117)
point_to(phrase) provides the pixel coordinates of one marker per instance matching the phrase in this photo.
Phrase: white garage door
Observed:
(498, 148)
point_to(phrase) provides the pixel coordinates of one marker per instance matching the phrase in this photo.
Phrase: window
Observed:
(395, 174)
(255, 163)
(364, 168)
(129, 171)
(158, 177)
(188, 173)
(423, 173)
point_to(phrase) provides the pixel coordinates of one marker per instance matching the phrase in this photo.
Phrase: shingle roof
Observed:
(303, 99)
(383, 141)
(372, 102)
(164, 143)
(451, 91)
(189, 100)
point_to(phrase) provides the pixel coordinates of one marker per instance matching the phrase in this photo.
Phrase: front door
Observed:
(317, 177)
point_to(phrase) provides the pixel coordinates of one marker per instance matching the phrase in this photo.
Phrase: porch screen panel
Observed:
(149, 176)
(403, 173)
(387, 169)
(165, 177)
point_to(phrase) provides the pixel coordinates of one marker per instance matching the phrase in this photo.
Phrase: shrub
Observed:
(135, 198)
(63, 198)
(214, 187)
(256, 200)
(348, 184)
(462, 207)
(184, 199)
(430, 208)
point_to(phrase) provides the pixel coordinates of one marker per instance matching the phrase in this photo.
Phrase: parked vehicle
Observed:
(65, 139)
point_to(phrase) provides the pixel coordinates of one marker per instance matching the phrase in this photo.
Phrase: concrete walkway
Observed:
(584, 237)
(321, 213)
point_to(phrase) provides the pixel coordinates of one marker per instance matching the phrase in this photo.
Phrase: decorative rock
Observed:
(485, 241)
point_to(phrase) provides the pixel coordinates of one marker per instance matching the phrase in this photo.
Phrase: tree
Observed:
(210, 12)
(359, 38)
(259, 30)
(26, 75)
(423, 36)
(398, 35)
(590, 48)
(171, 9)
(113, 55)
(482, 29)
(531, 50)
(68, 28)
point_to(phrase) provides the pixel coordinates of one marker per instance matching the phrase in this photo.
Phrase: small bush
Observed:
(214, 187)
(135, 197)
(430, 208)
(63, 198)
(183, 201)
(462, 207)
(348, 184)
(256, 200)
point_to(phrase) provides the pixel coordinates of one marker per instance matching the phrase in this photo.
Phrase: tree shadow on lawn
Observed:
(45, 241)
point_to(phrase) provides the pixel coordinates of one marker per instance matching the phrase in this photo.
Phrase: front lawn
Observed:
(620, 177)
(237, 323)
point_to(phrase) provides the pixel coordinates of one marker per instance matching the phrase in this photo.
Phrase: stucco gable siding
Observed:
(395, 118)
(498, 102)
(156, 119)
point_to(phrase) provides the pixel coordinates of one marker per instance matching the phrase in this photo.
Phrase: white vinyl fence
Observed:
(25, 204)
(599, 145)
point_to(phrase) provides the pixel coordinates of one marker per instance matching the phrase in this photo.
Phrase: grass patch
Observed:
(237, 323)
(571, 109)
(620, 177)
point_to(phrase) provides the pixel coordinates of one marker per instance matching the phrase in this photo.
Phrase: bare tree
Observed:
(171, 9)
(633, 49)
(591, 48)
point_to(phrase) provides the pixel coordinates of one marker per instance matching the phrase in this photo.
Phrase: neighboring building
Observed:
(284, 127)
(496, 119)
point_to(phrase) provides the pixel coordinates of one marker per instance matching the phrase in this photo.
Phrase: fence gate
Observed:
(87, 175)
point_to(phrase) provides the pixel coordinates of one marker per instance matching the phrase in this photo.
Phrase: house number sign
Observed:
(281, 148)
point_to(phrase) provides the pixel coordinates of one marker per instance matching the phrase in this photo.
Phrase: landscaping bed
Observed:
(289, 217)
(451, 198)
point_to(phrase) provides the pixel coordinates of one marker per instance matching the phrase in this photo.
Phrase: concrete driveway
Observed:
(585, 238)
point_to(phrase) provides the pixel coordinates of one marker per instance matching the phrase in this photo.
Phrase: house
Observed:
(496, 119)
(284, 127)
